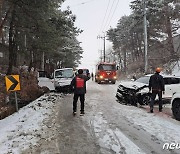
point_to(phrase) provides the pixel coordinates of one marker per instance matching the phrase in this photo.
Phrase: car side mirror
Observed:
(50, 77)
(133, 78)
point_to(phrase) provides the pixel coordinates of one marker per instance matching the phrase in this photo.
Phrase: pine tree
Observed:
(40, 27)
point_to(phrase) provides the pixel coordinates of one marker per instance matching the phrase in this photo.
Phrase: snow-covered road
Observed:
(47, 126)
(133, 129)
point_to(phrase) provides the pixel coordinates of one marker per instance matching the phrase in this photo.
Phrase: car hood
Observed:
(63, 81)
(43, 79)
(132, 84)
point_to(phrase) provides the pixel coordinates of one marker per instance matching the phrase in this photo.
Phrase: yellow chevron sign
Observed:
(12, 83)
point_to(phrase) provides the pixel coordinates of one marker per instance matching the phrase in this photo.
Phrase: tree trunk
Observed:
(1, 5)
(134, 56)
(2, 22)
(31, 61)
(140, 52)
(12, 48)
(125, 61)
(169, 32)
(120, 58)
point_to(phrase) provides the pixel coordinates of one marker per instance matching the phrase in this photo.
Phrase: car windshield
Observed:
(67, 73)
(107, 67)
(144, 79)
(42, 74)
(85, 71)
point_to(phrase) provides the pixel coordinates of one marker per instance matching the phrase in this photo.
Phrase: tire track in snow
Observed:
(112, 141)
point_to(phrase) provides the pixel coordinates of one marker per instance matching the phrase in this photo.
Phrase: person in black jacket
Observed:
(78, 84)
(156, 86)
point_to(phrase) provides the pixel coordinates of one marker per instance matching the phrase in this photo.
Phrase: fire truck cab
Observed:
(106, 72)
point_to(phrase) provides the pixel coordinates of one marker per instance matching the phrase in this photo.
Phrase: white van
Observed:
(62, 79)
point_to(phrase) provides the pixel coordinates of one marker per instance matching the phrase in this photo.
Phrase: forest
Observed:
(38, 34)
(35, 35)
(163, 24)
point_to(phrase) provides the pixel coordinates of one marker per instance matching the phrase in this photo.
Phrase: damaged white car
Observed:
(133, 92)
(62, 79)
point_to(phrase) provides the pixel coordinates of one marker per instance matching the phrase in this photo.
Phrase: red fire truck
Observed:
(106, 72)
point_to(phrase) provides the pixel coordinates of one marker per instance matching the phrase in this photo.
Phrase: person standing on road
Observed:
(92, 76)
(156, 86)
(78, 84)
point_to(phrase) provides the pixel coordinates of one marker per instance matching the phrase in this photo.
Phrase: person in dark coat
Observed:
(92, 76)
(156, 86)
(78, 85)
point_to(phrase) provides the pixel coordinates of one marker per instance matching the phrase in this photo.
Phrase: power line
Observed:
(105, 15)
(104, 40)
(109, 15)
(113, 13)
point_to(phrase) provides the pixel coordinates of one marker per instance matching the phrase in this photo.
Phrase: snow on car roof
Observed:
(164, 75)
(63, 69)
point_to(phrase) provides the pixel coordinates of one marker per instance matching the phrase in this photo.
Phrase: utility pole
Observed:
(145, 37)
(104, 40)
(101, 54)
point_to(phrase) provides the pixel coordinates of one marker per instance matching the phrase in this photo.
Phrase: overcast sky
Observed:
(95, 17)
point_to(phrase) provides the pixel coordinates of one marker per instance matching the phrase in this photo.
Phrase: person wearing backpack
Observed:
(156, 86)
(78, 85)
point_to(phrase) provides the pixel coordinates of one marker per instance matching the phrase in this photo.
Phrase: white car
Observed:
(172, 85)
(62, 79)
(175, 101)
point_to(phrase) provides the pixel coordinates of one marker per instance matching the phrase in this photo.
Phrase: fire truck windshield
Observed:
(107, 67)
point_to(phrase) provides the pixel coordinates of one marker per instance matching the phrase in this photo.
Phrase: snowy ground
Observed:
(107, 127)
(125, 125)
(24, 128)
(112, 127)
(43, 81)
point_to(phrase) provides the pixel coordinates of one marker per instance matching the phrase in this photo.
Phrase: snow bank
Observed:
(23, 129)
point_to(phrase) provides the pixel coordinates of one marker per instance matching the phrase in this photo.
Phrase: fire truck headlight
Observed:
(101, 77)
(115, 77)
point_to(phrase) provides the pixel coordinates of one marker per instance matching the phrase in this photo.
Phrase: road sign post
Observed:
(13, 84)
(16, 101)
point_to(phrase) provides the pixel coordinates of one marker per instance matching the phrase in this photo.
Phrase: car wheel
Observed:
(57, 90)
(176, 109)
(145, 99)
(98, 81)
(113, 82)
(120, 99)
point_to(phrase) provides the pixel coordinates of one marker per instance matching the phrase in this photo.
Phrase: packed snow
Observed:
(43, 81)
(24, 128)
(120, 140)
